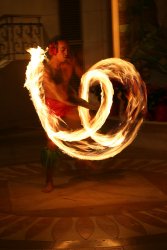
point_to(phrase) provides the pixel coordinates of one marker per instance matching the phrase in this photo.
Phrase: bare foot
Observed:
(48, 188)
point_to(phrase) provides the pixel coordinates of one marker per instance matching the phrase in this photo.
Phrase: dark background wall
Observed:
(16, 108)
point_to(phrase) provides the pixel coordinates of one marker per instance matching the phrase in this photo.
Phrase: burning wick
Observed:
(87, 142)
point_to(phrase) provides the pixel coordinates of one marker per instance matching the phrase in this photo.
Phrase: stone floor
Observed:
(121, 204)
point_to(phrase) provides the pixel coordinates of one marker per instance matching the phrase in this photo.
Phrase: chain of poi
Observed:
(76, 143)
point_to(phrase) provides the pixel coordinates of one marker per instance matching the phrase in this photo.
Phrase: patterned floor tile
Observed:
(124, 205)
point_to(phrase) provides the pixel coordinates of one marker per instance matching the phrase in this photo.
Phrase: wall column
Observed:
(115, 27)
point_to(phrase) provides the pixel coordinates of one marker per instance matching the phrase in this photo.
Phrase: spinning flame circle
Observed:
(88, 142)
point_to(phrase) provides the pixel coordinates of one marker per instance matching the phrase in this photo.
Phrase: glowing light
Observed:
(88, 142)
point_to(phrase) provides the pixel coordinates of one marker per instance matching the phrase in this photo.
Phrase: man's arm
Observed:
(73, 98)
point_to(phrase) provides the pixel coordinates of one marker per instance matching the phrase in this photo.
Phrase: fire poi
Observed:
(89, 142)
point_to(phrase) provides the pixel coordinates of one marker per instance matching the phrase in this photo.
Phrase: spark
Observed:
(88, 142)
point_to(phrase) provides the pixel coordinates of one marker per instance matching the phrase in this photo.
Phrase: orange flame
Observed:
(77, 143)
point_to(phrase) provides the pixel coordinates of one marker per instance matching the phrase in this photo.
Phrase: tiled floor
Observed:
(120, 205)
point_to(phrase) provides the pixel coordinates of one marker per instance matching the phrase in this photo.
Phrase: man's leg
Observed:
(49, 158)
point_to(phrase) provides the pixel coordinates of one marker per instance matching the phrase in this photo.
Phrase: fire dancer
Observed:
(61, 78)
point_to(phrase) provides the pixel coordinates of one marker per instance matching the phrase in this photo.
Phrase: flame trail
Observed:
(87, 142)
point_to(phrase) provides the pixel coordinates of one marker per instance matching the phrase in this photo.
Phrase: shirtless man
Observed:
(60, 74)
